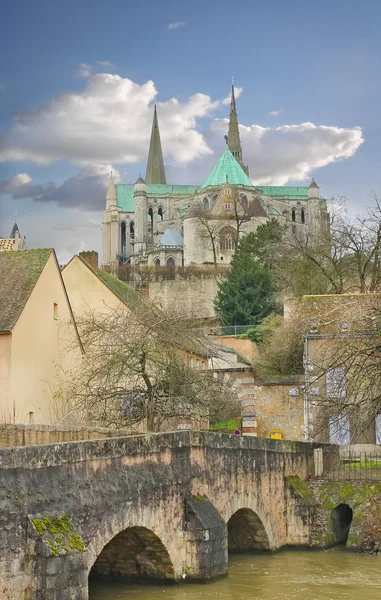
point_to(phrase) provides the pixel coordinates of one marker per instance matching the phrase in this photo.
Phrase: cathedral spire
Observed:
(234, 142)
(155, 164)
(111, 193)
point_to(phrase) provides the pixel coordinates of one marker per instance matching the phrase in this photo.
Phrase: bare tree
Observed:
(208, 228)
(343, 369)
(137, 371)
(343, 257)
(243, 210)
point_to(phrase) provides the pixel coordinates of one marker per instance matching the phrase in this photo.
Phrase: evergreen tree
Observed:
(247, 294)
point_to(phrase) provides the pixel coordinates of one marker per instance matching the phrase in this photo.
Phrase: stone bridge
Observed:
(161, 506)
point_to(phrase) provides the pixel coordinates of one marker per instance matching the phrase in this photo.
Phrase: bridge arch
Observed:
(341, 519)
(246, 532)
(251, 504)
(146, 547)
(134, 554)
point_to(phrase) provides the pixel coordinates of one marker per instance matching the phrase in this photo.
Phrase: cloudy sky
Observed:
(78, 82)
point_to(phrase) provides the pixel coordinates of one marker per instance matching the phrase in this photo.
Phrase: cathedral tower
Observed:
(155, 164)
(111, 238)
(234, 142)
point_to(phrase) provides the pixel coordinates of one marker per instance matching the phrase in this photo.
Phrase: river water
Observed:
(293, 575)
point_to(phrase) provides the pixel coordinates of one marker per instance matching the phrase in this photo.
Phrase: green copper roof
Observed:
(287, 192)
(125, 193)
(227, 166)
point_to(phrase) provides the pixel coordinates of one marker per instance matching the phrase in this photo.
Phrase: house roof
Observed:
(123, 291)
(19, 273)
(134, 301)
(227, 168)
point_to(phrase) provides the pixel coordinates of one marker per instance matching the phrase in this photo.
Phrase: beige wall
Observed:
(6, 409)
(39, 342)
(86, 292)
(245, 347)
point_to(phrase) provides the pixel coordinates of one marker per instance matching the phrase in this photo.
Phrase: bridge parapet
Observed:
(178, 490)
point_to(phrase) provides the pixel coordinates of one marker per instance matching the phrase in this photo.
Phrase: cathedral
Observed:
(157, 224)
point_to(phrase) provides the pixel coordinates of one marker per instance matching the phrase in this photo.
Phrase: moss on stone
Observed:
(301, 489)
(59, 534)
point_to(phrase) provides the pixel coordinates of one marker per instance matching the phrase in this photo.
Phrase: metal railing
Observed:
(230, 330)
(351, 466)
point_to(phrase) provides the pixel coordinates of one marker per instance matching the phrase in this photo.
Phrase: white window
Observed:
(335, 383)
(339, 432)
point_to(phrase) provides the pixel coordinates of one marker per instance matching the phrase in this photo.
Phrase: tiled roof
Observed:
(19, 273)
(287, 192)
(227, 167)
(125, 193)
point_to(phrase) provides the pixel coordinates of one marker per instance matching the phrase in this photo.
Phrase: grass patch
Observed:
(226, 426)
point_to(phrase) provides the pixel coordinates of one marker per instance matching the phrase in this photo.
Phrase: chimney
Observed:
(91, 257)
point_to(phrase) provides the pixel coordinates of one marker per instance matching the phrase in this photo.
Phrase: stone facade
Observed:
(154, 223)
(64, 506)
(279, 405)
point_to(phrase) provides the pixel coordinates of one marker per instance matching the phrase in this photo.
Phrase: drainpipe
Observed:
(307, 404)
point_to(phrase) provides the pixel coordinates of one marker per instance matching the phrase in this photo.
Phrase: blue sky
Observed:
(297, 62)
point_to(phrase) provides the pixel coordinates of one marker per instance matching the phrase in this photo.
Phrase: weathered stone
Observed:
(171, 495)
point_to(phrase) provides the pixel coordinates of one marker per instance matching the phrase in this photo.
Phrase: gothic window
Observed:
(150, 215)
(206, 204)
(156, 262)
(171, 262)
(227, 238)
(132, 230)
(123, 236)
(302, 216)
(293, 215)
(160, 213)
(228, 206)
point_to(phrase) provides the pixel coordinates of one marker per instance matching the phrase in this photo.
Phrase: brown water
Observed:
(284, 576)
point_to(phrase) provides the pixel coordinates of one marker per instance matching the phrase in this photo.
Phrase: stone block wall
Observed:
(193, 297)
(279, 404)
(177, 490)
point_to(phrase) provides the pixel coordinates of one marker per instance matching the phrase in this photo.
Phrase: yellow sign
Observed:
(276, 434)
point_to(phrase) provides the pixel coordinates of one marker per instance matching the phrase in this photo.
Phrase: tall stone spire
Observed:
(234, 142)
(155, 164)
(111, 193)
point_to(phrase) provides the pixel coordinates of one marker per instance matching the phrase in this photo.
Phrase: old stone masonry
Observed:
(153, 223)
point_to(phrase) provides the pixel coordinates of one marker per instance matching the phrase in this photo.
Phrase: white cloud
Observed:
(86, 190)
(237, 92)
(275, 155)
(275, 113)
(176, 25)
(109, 121)
(84, 70)
(105, 63)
